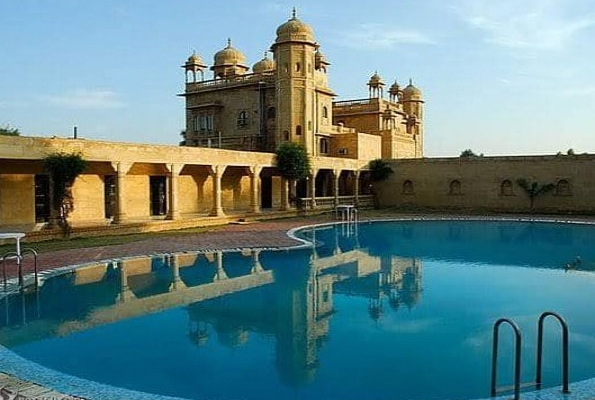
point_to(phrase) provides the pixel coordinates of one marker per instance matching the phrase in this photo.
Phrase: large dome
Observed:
(229, 56)
(295, 30)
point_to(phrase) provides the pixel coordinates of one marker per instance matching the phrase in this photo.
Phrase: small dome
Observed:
(394, 88)
(194, 62)
(229, 56)
(411, 92)
(375, 80)
(320, 58)
(264, 65)
(295, 30)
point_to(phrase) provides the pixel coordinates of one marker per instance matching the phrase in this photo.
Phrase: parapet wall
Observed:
(490, 183)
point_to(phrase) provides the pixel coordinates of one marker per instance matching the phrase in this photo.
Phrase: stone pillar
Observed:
(312, 188)
(256, 265)
(125, 292)
(177, 283)
(336, 176)
(217, 172)
(121, 170)
(220, 274)
(284, 195)
(173, 190)
(254, 189)
(356, 188)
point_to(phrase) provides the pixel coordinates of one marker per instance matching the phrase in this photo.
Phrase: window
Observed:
(271, 112)
(323, 146)
(455, 187)
(286, 136)
(298, 130)
(506, 188)
(298, 67)
(408, 187)
(195, 124)
(42, 198)
(563, 188)
(242, 119)
(324, 112)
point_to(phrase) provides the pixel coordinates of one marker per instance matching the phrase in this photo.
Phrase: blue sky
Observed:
(499, 76)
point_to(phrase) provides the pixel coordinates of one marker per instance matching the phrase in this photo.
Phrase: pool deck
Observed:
(266, 234)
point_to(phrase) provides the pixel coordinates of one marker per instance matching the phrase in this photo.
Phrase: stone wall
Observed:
(490, 183)
(17, 199)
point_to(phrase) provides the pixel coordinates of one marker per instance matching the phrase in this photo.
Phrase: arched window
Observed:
(286, 136)
(271, 112)
(506, 188)
(324, 112)
(408, 187)
(298, 130)
(298, 67)
(242, 118)
(455, 187)
(563, 188)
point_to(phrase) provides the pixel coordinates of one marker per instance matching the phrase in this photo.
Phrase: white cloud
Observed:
(86, 99)
(587, 91)
(527, 24)
(378, 36)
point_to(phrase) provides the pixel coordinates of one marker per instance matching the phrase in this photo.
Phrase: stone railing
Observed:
(239, 80)
(329, 202)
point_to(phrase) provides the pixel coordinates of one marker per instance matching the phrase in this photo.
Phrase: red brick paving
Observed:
(252, 235)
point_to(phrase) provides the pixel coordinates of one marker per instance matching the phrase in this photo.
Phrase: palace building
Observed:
(288, 98)
(225, 168)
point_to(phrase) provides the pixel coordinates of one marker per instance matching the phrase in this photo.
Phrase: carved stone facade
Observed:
(288, 98)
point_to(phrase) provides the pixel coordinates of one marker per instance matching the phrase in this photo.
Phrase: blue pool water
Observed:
(399, 310)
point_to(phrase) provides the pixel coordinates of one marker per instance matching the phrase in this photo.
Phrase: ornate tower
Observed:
(413, 106)
(194, 65)
(295, 50)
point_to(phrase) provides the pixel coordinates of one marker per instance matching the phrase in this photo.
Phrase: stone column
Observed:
(220, 274)
(254, 189)
(125, 292)
(284, 195)
(337, 175)
(121, 170)
(312, 188)
(356, 188)
(217, 172)
(173, 190)
(256, 265)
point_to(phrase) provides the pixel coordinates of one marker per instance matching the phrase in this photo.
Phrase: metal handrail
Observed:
(12, 255)
(565, 373)
(517, 357)
(27, 250)
(19, 257)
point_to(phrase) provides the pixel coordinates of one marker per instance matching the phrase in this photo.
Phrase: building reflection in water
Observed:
(228, 296)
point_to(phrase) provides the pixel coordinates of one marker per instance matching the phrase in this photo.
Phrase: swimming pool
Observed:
(382, 310)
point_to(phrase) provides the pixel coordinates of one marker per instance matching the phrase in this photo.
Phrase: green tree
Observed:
(293, 164)
(63, 169)
(380, 170)
(292, 161)
(468, 153)
(534, 189)
(570, 152)
(7, 130)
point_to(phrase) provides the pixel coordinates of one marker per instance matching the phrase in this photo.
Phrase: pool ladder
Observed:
(12, 255)
(516, 387)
